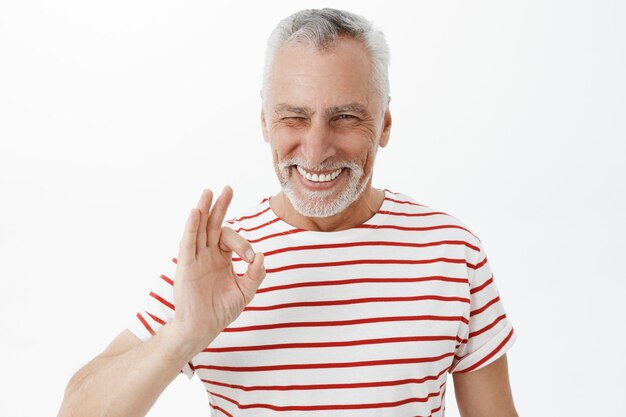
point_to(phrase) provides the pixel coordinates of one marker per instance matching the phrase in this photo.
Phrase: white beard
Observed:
(318, 203)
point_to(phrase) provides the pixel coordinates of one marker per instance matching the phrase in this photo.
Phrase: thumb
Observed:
(253, 277)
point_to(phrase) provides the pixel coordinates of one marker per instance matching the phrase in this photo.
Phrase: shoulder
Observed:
(252, 218)
(404, 210)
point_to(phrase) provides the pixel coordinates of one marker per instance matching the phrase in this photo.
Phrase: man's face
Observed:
(324, 122)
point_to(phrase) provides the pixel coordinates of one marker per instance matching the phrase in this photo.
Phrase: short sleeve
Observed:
(157, 310)
(489, 333)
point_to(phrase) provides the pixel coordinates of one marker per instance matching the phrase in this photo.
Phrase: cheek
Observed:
(365, 158)
(359, 148)
(283, 143)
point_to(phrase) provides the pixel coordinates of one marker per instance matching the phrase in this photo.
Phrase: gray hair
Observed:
(322, 28)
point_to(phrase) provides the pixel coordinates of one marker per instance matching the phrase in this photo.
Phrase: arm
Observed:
(485, 392)
(128, 377)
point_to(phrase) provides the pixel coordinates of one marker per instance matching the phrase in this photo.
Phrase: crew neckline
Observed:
(379, 218)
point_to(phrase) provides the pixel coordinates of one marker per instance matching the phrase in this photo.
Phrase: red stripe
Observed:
(356, 301)
(218, 408)
(481, 287)
(361, 281)
(315, 345)
(434, 410)
(370, 243)
(370, 226)
(162, 300)
(442, 396)
(413, 229)
(253, 215)
(166, 279)
(404, 202)
(285, 233)
(479, 264)
(321, 407)
(344, 322)
(145, 323)
(155, 318)
(396, 213)
(368, 262)
(257, 227)
(328, 386)
(485, 307)
(490, 355)
(298, 366)
(489, 326)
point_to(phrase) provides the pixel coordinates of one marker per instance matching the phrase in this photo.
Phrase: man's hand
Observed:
(207, 293)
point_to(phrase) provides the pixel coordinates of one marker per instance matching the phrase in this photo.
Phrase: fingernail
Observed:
(250, 255)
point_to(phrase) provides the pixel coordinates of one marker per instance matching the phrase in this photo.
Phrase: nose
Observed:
(318, 143)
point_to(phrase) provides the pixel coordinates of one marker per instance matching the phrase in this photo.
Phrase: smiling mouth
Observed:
(321, 177)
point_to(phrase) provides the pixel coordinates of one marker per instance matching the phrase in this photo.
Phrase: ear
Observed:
(384, 135)
(264, 127)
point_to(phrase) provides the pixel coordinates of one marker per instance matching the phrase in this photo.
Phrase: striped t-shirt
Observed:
(361, 322)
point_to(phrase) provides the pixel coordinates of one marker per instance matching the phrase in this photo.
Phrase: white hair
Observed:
(322, 28)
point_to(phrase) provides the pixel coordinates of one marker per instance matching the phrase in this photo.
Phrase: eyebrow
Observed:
(285, 107)
(353, 107)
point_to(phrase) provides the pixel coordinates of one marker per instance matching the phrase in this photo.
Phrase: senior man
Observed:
(331, 297)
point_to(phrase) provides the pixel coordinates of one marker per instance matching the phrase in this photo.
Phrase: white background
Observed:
(114, 115)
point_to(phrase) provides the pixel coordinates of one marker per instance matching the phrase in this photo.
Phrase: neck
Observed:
(357, 213)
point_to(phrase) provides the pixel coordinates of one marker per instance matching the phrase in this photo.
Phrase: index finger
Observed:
(187, 247)
(216, 218)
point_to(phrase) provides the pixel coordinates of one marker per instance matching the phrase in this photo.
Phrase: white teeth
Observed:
(320, 177)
